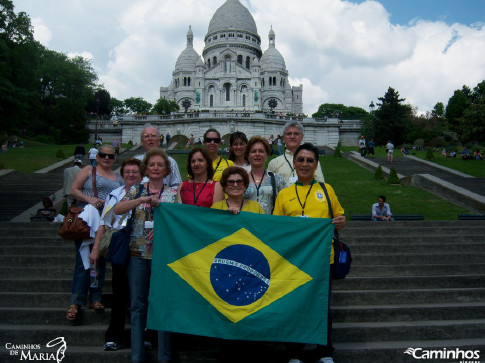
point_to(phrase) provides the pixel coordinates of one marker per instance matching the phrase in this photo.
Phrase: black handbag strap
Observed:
(335, 232)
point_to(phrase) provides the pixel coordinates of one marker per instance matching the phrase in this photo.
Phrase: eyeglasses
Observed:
(235, 182)
(103, 155)
(308, 160)
(208, 140)
(152, 136)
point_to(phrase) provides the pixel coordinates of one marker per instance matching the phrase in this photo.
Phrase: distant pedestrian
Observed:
(92, 155)
(116, 145)
(371, 144)
(362, 146)
(69, 176)
(168, 138)
(390, 151)
(79, 152)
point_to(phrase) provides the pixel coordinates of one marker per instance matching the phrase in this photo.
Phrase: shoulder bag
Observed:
(119, 246)
(74, 228)
(342, 259)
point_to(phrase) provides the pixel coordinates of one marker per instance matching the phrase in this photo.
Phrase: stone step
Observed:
(339, 298)
(368, 259)
(39, 284)
(414, 330)
(406, 296)
(360, 270)
(407, 282)
(409, 312)
(358, 313)
(52, 316)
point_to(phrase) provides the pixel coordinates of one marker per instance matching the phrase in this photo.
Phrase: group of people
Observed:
(291, 185)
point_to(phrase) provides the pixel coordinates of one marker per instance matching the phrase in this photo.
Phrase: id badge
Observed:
(305, 216)
(342, 257)
(148, 224)
(293, 179)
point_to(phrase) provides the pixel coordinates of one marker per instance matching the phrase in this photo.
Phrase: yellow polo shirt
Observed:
(219, 165)
(316, 205)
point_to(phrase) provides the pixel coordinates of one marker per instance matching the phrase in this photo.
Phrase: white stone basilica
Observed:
(233, 73)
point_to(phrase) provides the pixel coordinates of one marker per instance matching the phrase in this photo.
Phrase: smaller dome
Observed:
(189, 58)
(272, 60)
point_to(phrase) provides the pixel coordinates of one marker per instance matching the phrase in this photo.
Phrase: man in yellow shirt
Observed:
(306, 198)
(212, 142)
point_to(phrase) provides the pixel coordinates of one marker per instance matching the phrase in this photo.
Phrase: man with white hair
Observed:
(283, 164)
(150, 139)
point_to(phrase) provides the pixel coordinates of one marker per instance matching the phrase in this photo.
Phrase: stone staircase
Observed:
(412, 285)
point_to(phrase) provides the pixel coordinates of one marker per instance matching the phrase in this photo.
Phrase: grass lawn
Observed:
(355, 186)
(357, 190)
(36, 157)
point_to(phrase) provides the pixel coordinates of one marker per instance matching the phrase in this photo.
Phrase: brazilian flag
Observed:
(245, 277)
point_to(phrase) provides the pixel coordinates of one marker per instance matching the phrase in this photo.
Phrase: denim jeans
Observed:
(80, 280)
(139, 271)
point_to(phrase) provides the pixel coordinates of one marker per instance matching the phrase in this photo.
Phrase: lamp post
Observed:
(371, 110)
(97, 116)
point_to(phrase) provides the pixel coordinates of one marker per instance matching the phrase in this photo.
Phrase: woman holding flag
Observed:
(306, 198)
(156, 166)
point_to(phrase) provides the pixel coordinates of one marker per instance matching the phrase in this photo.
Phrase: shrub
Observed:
(337, 153)
(130, 143)
(429, 154)
(2, 166)
(393, 178)
(379, 174)
(60, 154)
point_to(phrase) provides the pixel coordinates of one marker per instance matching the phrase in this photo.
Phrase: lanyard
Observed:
(306, 198)
(215, 169)
(159, 196)
(289, 164)
(198, 195)
(260, 182)
(240, 208)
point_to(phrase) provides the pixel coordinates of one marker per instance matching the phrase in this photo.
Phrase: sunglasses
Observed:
(308, 160)
(103, 155)
(235, 182)
(208, 140)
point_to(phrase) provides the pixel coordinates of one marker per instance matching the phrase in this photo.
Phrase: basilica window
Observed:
(211, 101)
(248, 61)
(185, 81)
(274, 81)
(209, 62)
(239, 59)
(214, 60)
(188, 81)
(227, 89)
(262, 83)
(239, 35)
(244, 100)
(227, 64)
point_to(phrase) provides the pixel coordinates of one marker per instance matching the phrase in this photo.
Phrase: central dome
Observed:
(232, 15)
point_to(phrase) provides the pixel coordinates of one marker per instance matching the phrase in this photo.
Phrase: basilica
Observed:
(233, 72)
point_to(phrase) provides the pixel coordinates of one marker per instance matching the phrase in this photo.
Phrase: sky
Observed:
(347, 52)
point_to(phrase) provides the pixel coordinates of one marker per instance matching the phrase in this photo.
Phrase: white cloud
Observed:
(41, 32)
(340, 51)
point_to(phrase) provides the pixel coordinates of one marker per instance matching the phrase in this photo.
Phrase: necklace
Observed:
(240, 208)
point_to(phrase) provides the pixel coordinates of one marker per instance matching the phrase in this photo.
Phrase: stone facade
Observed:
(233, 73)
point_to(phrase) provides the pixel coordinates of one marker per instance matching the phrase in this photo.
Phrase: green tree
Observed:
(391, 118)
(117, 107)
(439, 110)
(99, 103)
(455, 109)
(138, 105)
(341, 111)
(164, 107)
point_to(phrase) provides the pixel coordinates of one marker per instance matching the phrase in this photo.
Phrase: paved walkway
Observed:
(450, 184)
